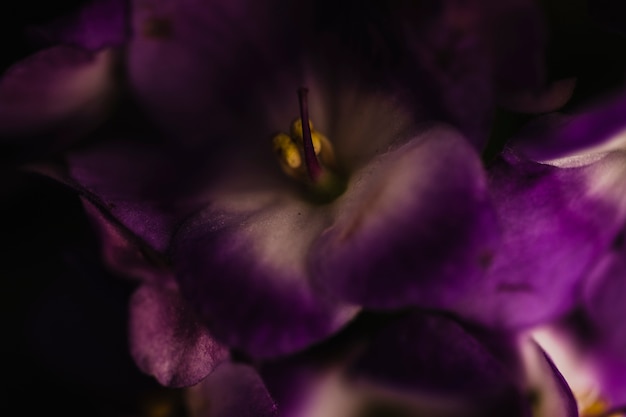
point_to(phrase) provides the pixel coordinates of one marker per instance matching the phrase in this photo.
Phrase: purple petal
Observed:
(232, 390)
(604, 299)
(604, 296)
(594, 373)
(242, 264)
(558, 136)
(415, 227)
(60, 91)
(138, 187)
(469, 52)
(167, 340)
(189, 62)
(97, 25)
(556, 222)
(434, 357)
(122, 251)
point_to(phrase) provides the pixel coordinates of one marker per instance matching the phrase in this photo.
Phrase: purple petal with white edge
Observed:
(556, 136)
(61, 91)
(242, 263)
(556, 222)
(434, 358)
(98, 24)
(550, 391)
(595, 375)
(168, 341)
(415, 227)
(231, 390)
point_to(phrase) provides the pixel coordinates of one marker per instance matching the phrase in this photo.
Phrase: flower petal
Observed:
(232, 390)
(139, 187)
(61, 91)
(167, 340)
(555, 136)
(556, 223)
(242, 264)
(414, 227)
(436, 359)
(189, 63)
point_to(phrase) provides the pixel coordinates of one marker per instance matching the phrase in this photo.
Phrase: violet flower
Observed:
(391, 212)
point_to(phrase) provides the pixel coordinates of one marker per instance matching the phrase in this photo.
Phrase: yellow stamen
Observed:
(287, 151)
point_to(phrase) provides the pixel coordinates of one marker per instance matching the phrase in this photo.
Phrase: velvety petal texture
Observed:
(62, 92)
(166, 339)
(242, 263)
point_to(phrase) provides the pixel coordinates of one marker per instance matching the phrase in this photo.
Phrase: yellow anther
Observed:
(296, 129)
(287, 150)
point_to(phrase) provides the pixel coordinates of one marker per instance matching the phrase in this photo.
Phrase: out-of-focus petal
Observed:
(556, 222)
(232, 390)
(189, 61)
(416, 364)
(168, 341)
(415, 227)
(594, 130)
(545, 100)
(435, 358)
(98, 24)
(242, 264)
(62, 92)
(604, 297)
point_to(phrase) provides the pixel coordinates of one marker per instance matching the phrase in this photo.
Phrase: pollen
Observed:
(290, 149)
(287, 151)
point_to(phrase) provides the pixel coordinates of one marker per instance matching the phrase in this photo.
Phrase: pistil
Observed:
(310, 159)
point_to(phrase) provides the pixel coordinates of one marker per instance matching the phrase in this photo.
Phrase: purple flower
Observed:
(378, 204)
